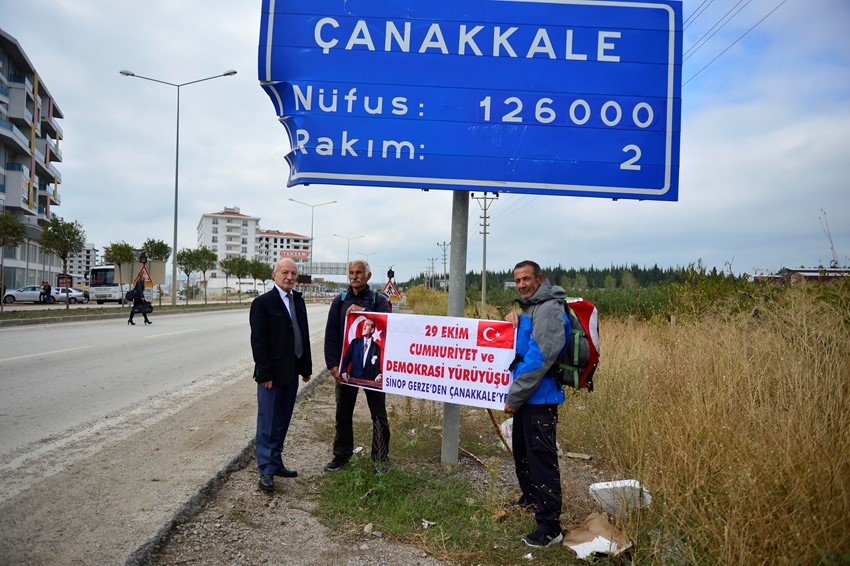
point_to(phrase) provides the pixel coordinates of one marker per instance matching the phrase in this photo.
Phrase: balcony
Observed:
(17, 182)
(4, 93)
(22, 81)
(49, 191)
(12, 135)
(19, 167)
(48, 147)
(19, 112)
(52, 128)
(55, 172)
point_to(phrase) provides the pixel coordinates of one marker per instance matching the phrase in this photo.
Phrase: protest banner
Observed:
(452, 360)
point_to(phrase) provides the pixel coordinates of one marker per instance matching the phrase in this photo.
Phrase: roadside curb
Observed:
(106, 316)
(143, 555)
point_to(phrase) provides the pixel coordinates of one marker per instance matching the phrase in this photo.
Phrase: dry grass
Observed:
(739, 425)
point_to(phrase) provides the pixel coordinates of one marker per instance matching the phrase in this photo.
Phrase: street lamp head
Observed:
(229, 73)
(127, 73)
(313, 205)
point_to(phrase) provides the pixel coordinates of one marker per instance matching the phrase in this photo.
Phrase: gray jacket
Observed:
(545, 308)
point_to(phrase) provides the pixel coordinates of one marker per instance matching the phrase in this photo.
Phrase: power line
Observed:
(697, 13)
(700, 43)
(733, 43)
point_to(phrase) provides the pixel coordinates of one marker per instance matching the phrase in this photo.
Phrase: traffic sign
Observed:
(564, 97)
(146, 276)
(391, 291)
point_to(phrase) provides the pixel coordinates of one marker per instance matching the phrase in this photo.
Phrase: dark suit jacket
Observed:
(272, 341)
(352, 363)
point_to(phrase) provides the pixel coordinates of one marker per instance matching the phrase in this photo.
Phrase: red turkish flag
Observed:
(496, 334)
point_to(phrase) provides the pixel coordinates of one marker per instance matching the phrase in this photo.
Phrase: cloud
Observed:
(763, 148)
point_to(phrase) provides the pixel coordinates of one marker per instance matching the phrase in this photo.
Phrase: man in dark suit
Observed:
(280, 342)
(362, 359)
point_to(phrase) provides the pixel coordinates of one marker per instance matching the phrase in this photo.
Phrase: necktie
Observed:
(296, 330)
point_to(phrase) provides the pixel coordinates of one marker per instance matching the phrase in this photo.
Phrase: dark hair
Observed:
(534, 265)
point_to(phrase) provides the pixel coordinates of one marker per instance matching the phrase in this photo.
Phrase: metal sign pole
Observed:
(457, 301)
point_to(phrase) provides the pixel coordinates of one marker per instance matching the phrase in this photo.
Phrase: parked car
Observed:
(71, 294)
(252, 292)
(28, 294)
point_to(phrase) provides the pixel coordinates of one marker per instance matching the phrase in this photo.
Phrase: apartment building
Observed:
(228, 233)
(273, 245)
(29, 152)
(231, 233)
(79, 265)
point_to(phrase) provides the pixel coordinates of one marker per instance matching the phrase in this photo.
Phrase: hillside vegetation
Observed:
(730, 402)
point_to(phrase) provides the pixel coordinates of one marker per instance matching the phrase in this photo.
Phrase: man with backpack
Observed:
(534, 396)
(358, 297)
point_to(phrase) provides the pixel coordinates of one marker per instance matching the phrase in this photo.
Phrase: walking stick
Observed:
(499, 431)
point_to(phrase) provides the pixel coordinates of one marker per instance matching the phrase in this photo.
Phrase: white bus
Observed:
(103, 287)
(103, 281)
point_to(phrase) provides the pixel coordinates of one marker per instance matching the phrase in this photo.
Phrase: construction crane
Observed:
(834, 264)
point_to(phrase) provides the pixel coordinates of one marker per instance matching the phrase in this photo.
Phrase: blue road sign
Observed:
(562, 97)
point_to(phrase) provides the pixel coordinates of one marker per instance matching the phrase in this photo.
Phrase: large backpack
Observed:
(580, 356)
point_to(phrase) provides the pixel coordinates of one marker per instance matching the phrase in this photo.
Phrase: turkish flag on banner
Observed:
(495, 334)
(354, 326)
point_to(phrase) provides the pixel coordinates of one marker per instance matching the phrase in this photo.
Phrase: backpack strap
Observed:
(568, 370)
(374, 298)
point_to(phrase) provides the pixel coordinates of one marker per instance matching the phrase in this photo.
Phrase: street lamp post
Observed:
(348, 252)
(367, 256)
(127, 73)
(313, 207)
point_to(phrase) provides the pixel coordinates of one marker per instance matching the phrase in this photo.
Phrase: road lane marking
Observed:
(172, 333)
(43, 354)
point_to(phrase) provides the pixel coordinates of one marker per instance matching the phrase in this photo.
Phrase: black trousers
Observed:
(536, 461)
(133, 311)
(346, 397)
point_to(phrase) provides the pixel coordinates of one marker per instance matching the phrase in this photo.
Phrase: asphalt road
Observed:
(62, 380)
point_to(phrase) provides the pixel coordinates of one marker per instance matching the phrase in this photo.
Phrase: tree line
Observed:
(65, 238)
(613, 277)
(192, 260)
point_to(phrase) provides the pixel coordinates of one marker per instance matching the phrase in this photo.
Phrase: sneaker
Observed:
(335, 464)
(382, 467)
(541, 540)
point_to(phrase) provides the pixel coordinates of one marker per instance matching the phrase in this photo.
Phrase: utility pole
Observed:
(432, 270)
(485, 205)
(444, 246)
(457, 301)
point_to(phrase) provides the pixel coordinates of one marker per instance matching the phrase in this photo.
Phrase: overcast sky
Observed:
(765, 145)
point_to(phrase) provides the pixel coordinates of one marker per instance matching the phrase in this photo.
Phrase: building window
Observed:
(215, 221)
(244, 249)
(215, 239)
